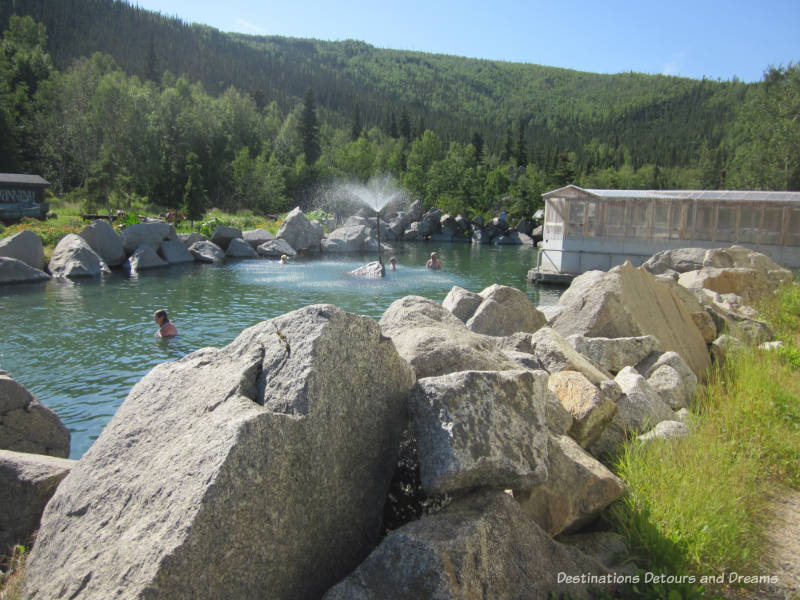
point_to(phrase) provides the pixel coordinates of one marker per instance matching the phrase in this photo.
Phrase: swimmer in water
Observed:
(284, 259)
(433, 262)
(393, 263)
(165, 327)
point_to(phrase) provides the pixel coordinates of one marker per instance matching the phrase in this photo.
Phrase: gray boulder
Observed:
(524, 359)
(630, 302)
(679, 260)
(665, 430)
(640, 408)
(102, 238)
(252, 471)
(479, 429)
(672, 379)
(25, 246)
(207, 252)
(415, 211)
(524, 226)
(741, 257)
(556, 354)
(144, 258)
(591, 410)
(27, 425)
(575, 493)
(150, 234)
(412, 234)
(462, 303)
(479, 236)
(239, 248)
(505, 310)
(345, 239)
(435, 342)
(27, 482)
(223, 234)
(275, 249)
(371, 270)
(256, 237)
(72, 257)
(300, 233)
(175, 252)
(480, 546)
(17, 271)
(614, 354)
(190, 238)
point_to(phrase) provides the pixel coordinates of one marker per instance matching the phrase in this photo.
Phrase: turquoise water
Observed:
(80, 346)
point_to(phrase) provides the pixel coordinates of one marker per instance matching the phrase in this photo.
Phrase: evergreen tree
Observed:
(393, 128)
(521, 153)
(508, 148)
(309, 129)
(405, 125)
(194, 197)
(355, 132)
(477, 143)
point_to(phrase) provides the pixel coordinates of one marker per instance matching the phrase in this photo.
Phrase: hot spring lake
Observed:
(80, 346)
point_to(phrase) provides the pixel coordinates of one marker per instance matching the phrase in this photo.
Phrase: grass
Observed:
(696, 505)
(12, 579)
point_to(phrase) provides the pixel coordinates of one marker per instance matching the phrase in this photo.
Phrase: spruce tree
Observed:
(309, 129)
(194, 197)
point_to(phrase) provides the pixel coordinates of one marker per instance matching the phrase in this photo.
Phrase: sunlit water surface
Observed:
(81, 346)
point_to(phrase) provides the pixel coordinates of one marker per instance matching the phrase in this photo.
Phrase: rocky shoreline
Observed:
(98, 248)
(446, 451)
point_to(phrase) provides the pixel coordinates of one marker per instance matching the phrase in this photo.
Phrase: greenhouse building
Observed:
(587, 229)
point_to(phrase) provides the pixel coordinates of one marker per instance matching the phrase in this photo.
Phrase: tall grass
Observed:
(11, 580)
(699, 504)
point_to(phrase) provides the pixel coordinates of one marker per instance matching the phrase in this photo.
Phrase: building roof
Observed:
(728, 195)
(21, 179)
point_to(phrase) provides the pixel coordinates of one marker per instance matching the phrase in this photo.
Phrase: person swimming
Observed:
(284, 259)
(393, 263)
(165, 327)
(433, 262)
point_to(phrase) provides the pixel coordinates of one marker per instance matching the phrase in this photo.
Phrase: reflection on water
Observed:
(81, 346)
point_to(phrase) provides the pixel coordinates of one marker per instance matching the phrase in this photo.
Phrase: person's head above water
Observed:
(393, 263)
(166, 328)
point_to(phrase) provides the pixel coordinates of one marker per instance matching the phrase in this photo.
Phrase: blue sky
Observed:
(716, 39)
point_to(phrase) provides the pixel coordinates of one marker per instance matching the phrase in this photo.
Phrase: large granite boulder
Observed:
(415, 210)
(102, 238)
(345, 239)
(151, 234)
(412, 233)
(17, 271)
(223, 234)
(207, 252)
(25, 246)
(630, 302)
(275, 249)
(238, 248)
(435, 342)
(671, 378)
(503, 311)
(577, 489)
(640, 408)
(479, 429)
(27, 482)
(190, 238)
(371, 270)
(556, 354)
(144, 258)
(175, 252)
(252, 471)
(300, 233)
(462, 303)
(256, 237)
(480, 546)
(614, 354)
(666, 430)
(72, 257)
(591, 409)
(740, 257)
(679, 260)
(27, 425)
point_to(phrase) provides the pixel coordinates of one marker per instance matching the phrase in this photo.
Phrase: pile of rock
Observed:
(264, 468)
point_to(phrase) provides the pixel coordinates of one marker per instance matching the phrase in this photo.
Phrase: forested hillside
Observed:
(259, 120)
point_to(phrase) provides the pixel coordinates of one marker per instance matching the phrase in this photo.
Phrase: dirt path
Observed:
(783, 542)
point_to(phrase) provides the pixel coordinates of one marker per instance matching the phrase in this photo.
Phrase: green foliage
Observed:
(194, 197)
(696, 504)
(309, 129)
(207, 228)
(13, 575)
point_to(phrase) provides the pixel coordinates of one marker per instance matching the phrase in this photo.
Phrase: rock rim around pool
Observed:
(256, 470)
